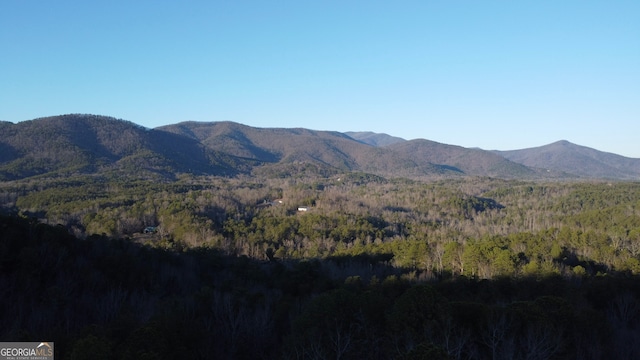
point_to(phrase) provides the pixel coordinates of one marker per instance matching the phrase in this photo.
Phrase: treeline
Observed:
(103, 298)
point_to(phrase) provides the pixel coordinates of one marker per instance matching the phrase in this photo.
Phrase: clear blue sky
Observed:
(490, 74)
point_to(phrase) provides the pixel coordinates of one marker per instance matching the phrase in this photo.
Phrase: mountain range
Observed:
(90, 144)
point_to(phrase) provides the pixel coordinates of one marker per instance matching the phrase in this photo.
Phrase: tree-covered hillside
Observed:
(71, 145)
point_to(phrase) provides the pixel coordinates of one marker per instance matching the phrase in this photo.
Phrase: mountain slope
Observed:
(279, 145)
(88, 143)
(575, 159)
(467, 161)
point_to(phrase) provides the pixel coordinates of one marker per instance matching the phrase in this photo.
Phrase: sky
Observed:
(500, 75)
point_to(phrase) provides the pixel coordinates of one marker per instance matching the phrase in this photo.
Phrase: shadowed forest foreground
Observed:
(101, 298)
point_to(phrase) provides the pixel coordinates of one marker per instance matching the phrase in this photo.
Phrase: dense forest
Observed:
(301, 263)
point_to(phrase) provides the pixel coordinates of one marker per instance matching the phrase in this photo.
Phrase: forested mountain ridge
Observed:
(468, 161)
(278, 146)
(579, 160)
(73, 144)
(90, 144)
(561, 159)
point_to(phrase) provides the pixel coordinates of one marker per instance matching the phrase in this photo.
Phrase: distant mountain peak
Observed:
(374, 139)
(569, 158)
(566, 144)
(563, 142)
